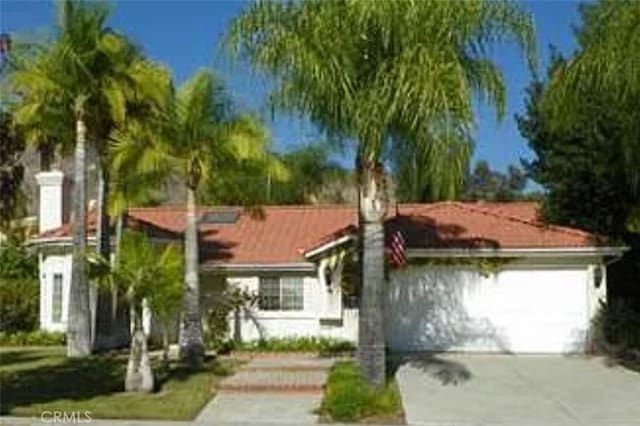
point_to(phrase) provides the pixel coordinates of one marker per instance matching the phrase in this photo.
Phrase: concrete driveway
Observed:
(493, 390)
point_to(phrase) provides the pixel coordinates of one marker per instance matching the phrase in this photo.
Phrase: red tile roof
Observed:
(282, 234)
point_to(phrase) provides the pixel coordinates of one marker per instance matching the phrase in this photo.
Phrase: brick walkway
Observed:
(282, 389)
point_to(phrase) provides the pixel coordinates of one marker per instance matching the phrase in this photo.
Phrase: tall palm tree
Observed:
(375, 73)
(197, 138)
(81, 82)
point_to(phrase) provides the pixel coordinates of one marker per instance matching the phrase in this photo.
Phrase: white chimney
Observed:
(51, 206)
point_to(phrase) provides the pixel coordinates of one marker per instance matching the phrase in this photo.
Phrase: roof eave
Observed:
(259, 267)
(55, 241)
(328, 246)
(519, 252)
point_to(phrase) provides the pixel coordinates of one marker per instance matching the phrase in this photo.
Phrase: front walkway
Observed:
(278, 389)
(497, 390)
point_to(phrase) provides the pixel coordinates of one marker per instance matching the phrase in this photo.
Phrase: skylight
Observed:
(219, 217)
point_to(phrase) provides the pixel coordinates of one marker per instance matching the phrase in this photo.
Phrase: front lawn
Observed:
(38, 379)
(348, 398)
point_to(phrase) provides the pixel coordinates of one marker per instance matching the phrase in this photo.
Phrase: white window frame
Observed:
(57, 317)
(285, 284)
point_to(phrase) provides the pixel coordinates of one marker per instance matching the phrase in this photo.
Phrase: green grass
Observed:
(38, 379)
(348, 398)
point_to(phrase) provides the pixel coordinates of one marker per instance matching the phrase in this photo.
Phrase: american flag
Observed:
(398, 250)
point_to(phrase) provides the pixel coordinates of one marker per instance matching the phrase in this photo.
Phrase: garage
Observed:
(531, 309)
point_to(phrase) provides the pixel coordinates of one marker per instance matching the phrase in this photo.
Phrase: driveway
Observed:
(527, 390)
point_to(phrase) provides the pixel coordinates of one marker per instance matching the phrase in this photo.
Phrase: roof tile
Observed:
(282, 234)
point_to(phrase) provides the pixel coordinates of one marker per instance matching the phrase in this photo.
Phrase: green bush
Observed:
(348, 397)
(321, 345)
(19, 304)
(217, 332)
(19, 289)
(17, 262)
(618, 323)
(32, 338)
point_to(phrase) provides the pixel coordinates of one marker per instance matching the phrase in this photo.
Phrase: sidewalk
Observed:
(270, 389)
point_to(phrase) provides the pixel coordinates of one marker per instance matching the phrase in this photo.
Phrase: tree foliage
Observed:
(304, 175)
(367, 70)
(12, 146)
(580, 165)
(483, 183)
(606, 66)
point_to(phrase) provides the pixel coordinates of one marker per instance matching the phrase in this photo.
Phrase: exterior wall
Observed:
(523, 308)
(50, 265)
(527, 307)
(255, 324)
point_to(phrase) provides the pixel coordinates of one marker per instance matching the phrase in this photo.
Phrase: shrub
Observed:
(618, 323)
(321, 345)
(217, 333)
(32, 338)
(16, 262)
(348, 397)
(19, 289)
(19, 305)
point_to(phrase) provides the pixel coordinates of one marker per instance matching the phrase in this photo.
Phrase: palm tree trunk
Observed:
(371, 343)
(105, 320)
(79, 317)
(103, 240)
(139, 377)
(191, 340)
(165, 342)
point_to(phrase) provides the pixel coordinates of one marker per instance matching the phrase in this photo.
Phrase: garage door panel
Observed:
(538, 311)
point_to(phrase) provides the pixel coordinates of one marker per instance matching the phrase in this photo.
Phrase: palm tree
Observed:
(433, 169)
(376, 73)
(150, 276)
(88, 75)
(197, 139)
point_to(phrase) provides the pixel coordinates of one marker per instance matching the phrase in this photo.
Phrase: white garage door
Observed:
(520, 311)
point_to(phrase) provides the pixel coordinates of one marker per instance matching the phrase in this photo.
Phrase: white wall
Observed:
(50, 265)
(257, 324)
(51, 207)
(520, 309)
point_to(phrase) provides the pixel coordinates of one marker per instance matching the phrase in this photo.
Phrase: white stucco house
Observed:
(481, 277)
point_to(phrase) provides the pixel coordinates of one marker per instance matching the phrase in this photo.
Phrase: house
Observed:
(480, 276)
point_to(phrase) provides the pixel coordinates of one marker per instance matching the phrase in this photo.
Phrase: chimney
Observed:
(50, 209)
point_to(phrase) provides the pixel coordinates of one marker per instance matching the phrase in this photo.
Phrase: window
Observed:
(281, 294)
(56, 303)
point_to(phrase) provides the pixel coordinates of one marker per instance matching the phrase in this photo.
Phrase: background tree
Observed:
(605, 65)
(304, 175)
(197, 138)
(483, 183)
(12, 146)
(374, 73)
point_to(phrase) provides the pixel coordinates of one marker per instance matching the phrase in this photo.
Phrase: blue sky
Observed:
(185, 35)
